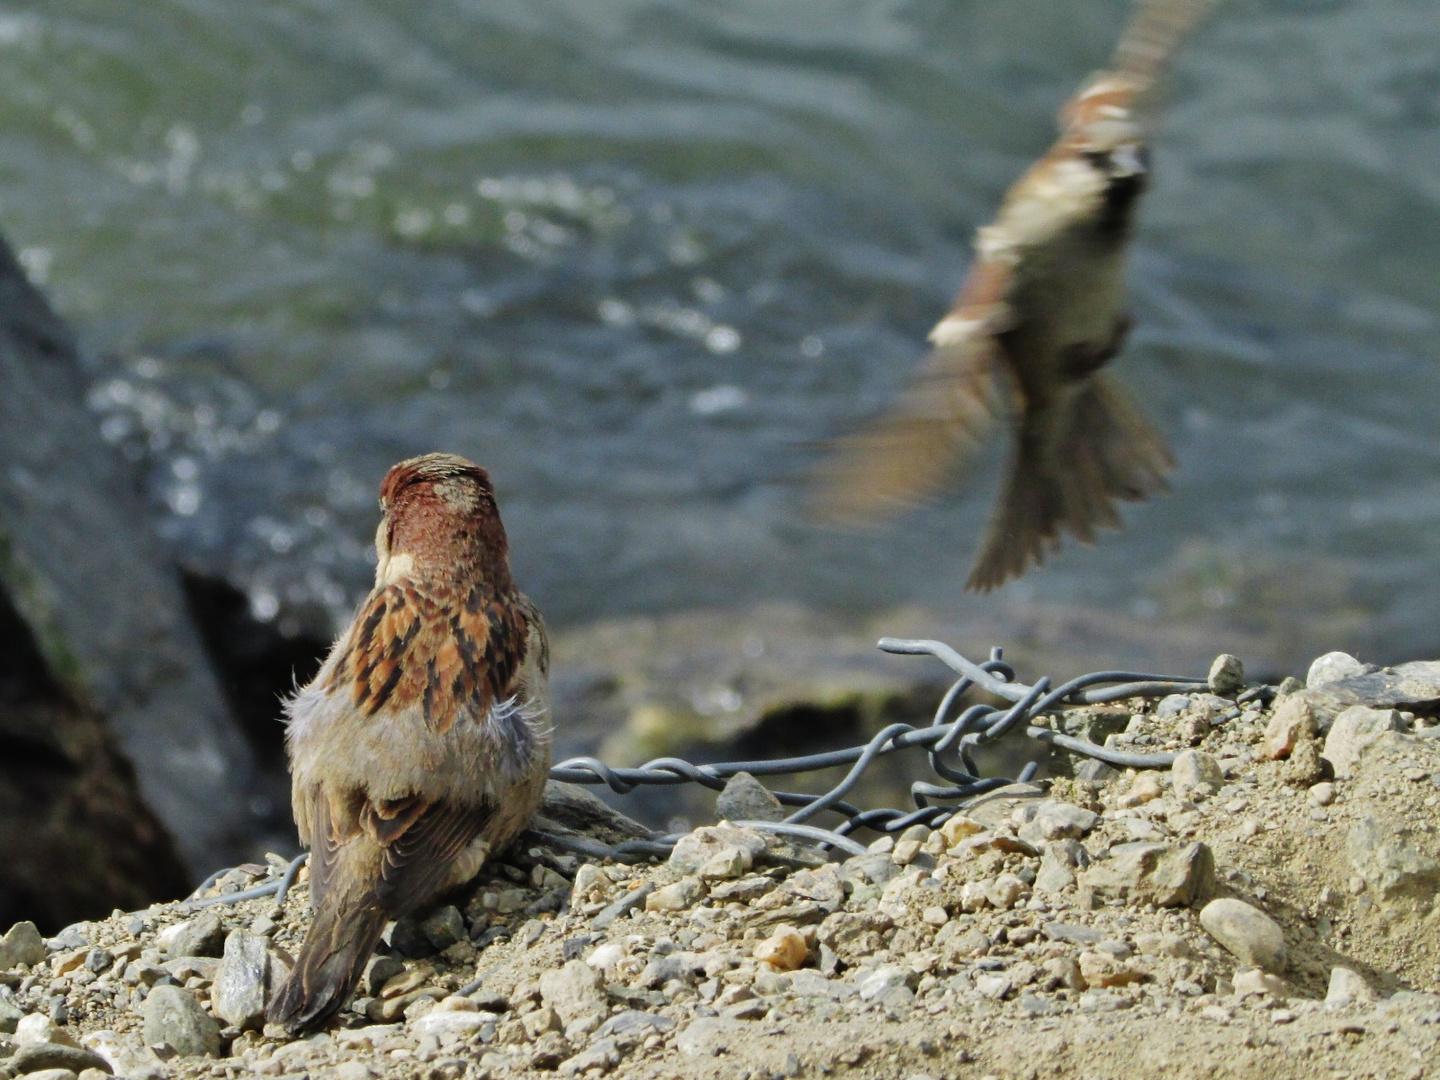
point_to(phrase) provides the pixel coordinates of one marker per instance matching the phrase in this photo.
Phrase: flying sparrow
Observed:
(1037, 319)
(422, 746)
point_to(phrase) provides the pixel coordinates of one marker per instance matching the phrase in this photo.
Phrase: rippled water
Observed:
(634, 256)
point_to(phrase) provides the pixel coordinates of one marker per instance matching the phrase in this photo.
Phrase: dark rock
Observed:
(444, 928)
(91, 597)
(33, 1057)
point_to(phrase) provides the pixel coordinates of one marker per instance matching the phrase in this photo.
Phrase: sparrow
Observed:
(1028, 337)
(422, 745)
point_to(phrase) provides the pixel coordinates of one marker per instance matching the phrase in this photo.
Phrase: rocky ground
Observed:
(1265, 908)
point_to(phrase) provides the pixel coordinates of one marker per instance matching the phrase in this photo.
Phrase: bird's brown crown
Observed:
(439, 511)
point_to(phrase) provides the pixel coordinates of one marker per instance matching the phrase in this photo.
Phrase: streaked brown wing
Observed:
(1151, 37)
(940, 421)
(420, 842)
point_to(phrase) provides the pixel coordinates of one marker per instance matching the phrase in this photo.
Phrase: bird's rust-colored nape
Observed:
(1027, 339)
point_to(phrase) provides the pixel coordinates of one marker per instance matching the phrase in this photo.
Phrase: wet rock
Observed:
(1195, 775)
(22, 944)
(746, 799)
(200, 936)
(1292, 721)
(574, 991)
(103, 605)
(1166, 875)
(1354, 732)
(238, 996)
(1390, 863)
(1250, 935)
(172, 1015)
(1227, 675)
(37, 1056)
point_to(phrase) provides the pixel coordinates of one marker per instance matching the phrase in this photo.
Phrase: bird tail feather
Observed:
(344, 933)
(1108, 451)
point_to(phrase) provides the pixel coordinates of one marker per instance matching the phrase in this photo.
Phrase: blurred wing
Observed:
(1151, 37)
(938, 424)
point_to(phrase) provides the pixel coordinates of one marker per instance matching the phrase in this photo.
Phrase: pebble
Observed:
(677, 896)
(200, 936)
(1323, 793)
(37, 1028)
(33, 1057)
(22, 944)
(746, 799)
(718, 851)
(1166, 875)
(1246, 932)
(1353, 733)
(1195, 775)
(1347, 987)
(238, 996)
(172, 1015)
(784, 950)
(1332, 667)
(52, 1074)
(1292, 721)
(1227, 675)
(1256, 981)
(574, 990)
(443, 928)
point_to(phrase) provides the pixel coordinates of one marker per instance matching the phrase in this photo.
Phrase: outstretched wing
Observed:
(940, 421)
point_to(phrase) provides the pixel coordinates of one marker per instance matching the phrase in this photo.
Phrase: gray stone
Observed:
(746, 799)
(1166, 875)
(660, 970)
(1333, 667)
(717, 851)
(238, 996)
(100, 592)
(172, 1015)
(1195, 774)
(711, 1035)
(1355, 731)
(1096, 771)
(874, 867)
(602, 1054)
(22, 944)
(1059, 864)
(873, 983)
(10, 1011)
(1172, 705)
(200, 936)
(36, 1056)
(1078, 935)
(1250, 935)
(1227, 675)
(574, 991)
(633, 1026)
(1056, 820)
(444, 927)
(1390, 863)
(52, 1074)
(378, 971)
(633, 899)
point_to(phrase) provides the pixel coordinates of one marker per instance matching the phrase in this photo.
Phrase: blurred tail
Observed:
(1072, 463)
(340, 941)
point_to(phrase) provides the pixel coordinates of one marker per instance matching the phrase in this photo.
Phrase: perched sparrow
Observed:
(1034, 324)
(423, 743)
